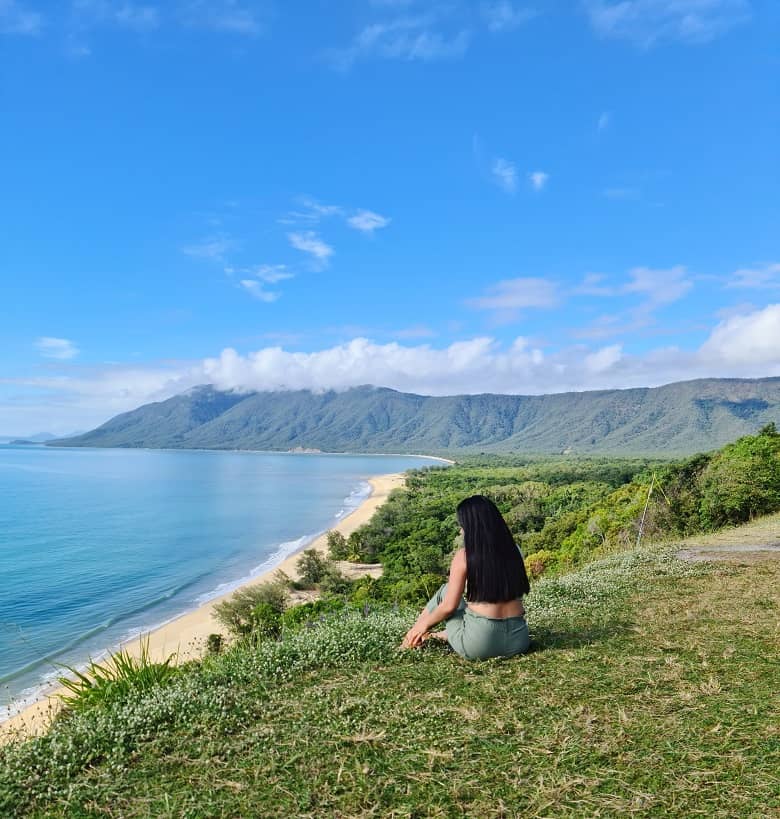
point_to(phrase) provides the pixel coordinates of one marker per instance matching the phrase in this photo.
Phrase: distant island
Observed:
(679, 418)
(38, 438)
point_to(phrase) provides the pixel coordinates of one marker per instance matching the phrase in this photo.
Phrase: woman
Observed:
(490, 622)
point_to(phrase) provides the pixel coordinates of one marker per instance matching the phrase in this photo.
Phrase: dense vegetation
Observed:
(637, 699)
(677, 418)
(564, 512)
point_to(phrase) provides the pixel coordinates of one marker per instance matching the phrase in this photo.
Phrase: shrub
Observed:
(334, 582)
(338, 547)
(266, 622)
(742, 480)
(237, 613)
(312, 567)
(214, 643)
(296, 616)
(538, 563)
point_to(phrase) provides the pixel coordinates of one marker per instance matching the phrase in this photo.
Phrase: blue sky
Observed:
(440, 197)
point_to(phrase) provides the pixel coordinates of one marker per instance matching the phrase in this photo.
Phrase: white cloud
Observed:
(318, 209)
(604, 359)
(659, 286)
(647, 22)
(745, 345)
(538, 180)
(59, 348)
(269, 273)
(757, 278)
(750, 340)
(309, 242)
(504, 16)
(367, 221)
(593, 285)
(213, 249)
(515, 294)
(256, 289)
(272, 273)
(262, 275)
(15, 18)
(603, 122)
(504, 174)
(403, 38)
(312, 212)
(225, 16)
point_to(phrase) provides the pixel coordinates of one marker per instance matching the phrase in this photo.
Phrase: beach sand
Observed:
(186, 635)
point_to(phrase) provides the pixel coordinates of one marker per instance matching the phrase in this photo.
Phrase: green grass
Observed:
(652, 692)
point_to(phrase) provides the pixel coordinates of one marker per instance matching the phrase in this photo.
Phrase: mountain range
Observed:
(680, 418)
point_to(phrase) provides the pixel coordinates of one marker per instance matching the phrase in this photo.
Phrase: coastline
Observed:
(186, 635)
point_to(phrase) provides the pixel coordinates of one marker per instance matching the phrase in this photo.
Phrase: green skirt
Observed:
(476, 637)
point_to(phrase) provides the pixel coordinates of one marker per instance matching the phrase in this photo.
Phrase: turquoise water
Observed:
(98, 545)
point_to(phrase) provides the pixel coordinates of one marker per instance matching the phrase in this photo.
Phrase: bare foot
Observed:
(436, 635)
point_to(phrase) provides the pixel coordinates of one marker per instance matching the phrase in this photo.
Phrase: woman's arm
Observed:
(428, 619)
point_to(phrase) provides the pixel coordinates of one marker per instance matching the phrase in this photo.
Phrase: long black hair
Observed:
(495, 571)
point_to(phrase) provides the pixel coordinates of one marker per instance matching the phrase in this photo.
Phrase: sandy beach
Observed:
(186, 635)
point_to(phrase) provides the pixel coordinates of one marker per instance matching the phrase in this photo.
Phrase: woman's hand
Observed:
(414, 637)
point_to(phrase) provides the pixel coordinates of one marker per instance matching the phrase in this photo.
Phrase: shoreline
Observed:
(186, 634)
(441, 458)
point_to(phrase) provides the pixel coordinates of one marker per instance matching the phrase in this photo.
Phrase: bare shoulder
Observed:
(459, 559)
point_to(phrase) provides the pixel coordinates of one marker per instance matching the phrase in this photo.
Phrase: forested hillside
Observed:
(678, 418)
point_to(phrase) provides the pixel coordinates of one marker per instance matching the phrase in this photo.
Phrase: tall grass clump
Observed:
(114, 678)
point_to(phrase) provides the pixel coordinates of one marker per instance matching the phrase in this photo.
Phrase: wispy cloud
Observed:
(215, 248)
(403, 38)
(593, 284)
(659, 286)
(504, 174)
(310, 211)
(604, 121)
(269, 273)
(766, 277)
(319, 209)
(538, 180)
(309, 242)
(514, 294)
(261, 276)
(16, 18)
(622, 193)
(59, 348)
(367, 221)
(258, 291)
(226, 16)
(505, 16)
(416, 331)
(119, 13)
(648, 22)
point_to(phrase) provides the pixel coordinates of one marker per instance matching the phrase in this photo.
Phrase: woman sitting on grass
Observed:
(490, 622)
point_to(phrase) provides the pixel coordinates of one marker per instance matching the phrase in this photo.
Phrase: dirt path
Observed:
(751, 543)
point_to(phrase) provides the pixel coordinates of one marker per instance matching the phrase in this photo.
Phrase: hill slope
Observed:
(679, 418)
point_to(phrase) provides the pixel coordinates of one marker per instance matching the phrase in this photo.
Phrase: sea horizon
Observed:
(102, 545)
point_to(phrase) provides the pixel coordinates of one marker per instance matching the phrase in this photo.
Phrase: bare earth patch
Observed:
(752, 543)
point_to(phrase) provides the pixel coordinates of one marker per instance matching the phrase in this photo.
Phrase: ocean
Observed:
(99, 545)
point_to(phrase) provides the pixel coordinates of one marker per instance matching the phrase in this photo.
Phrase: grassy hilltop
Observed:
(678, 418)
(651, 689)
